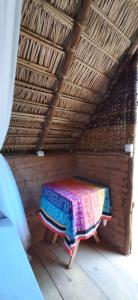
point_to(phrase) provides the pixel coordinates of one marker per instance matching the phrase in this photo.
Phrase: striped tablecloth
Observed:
(74, 208)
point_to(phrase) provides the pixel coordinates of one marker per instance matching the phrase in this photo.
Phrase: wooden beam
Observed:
(74, 130)
(92, 68)
(70, 54)
(58, 144)
(38, 105)
(40, 39)
(24, 128)
(30, 103)
(22, 136)
(21, 115)
(67, 136)
(40, 69)
(92, 41)
(44, 69)
(33, 87)
(35, 67)
(14, 146)
(63, 139)
(68, 21)
(106, 18)
(77, 99)
(64, 121)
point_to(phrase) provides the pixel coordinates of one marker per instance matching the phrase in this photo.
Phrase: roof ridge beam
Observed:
(70, 55)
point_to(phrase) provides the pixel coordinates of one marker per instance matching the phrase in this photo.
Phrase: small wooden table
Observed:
(74, 208)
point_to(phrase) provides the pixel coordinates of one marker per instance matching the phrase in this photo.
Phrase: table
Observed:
(74, 208)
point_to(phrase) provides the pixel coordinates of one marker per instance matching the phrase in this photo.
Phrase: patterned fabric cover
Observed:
(74, 208)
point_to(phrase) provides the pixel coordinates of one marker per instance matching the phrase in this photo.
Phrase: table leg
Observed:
(72, 258)
(54, 238)
(96, 237)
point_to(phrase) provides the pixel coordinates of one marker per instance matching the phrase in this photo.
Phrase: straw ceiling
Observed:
(68, 51)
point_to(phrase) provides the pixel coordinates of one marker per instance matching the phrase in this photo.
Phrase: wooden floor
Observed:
(97, 274)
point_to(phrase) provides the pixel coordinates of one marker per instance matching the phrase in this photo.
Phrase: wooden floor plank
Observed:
(97, 273)
(47, 286)
(110, 280)
(73, 284)
(127, 265)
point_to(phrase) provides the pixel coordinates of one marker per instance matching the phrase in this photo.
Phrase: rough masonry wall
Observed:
(111, 169)
(31, 172)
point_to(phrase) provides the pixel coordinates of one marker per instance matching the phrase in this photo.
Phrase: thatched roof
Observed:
(68, 53)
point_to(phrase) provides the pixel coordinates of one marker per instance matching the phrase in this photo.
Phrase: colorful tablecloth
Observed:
(74, 208)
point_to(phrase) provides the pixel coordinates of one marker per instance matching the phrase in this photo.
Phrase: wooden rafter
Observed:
(33, 87)
(44, 70)
(35, 67)
(41, 105)
(70, 54)
(92, 68)
(104, 16)
(68, 21)
(22, 115)
(39, 39)
(24, 128)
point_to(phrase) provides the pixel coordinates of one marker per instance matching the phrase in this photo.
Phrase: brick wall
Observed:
(31, 172)
(112, 169)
